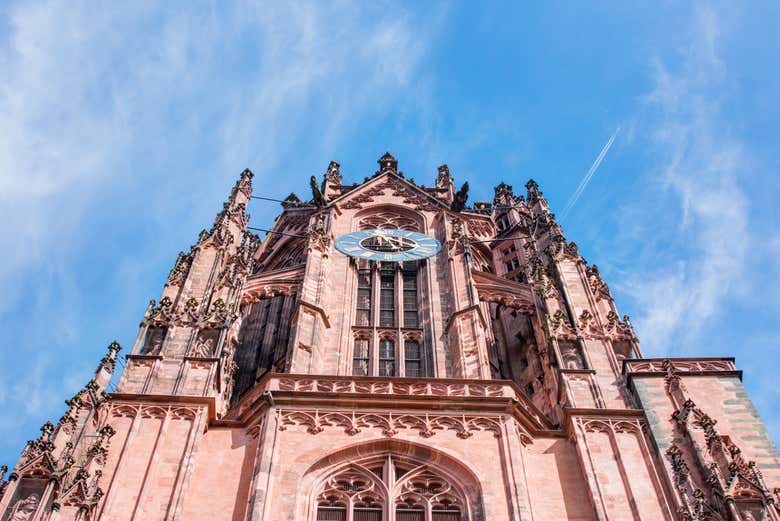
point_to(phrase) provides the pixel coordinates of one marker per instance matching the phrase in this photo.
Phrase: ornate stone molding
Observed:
(680, 366)
(392, 387)
(353, 422)
(511, 294)
(165, 314)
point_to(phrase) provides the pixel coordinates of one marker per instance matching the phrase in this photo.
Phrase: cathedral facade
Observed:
(389, 352)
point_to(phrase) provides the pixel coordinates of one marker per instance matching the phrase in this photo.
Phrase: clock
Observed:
(388, 245)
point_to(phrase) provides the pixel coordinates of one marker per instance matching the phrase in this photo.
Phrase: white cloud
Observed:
(157, 108)
(695, 211)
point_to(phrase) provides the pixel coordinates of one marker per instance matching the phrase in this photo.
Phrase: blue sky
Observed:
(123, 127)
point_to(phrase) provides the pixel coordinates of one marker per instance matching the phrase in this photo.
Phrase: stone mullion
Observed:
(186, 466)
(121, 461)
(586, 460)
(153, 370)
(515, 474)
(151, 465)
(400, 350)
(260, 491)
(184, 368)
(373, 319)
(623, 474)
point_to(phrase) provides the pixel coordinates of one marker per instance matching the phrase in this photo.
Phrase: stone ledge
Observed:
(680, 366)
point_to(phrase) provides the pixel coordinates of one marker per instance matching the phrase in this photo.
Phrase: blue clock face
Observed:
(388, 245)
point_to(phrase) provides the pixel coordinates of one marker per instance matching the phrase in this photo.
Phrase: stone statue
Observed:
(203, 347)
(154, 341)
(571, 356)
(24, 509)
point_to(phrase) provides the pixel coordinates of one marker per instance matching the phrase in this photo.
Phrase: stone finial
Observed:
(444, 179)
(245, 180)
(333, 175)
(535, 195)
(388, 163)
(504, 196)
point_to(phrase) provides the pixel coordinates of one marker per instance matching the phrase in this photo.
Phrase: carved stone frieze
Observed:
(393, 387)
(356, 201)
(415, 198)
(190, 314)
(680, 365)
(354, 422)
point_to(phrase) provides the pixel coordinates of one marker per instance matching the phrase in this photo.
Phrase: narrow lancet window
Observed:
(360, 357)
(412, 359)
(386, 357)
(411, 315)
(363, 313)
(387, 296)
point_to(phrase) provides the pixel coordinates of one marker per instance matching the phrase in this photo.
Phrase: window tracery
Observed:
(289, 256)
(388, 220)
(387, 326)
(389, 488)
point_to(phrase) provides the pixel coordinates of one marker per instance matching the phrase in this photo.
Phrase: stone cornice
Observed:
(570, 414)
(314, 310)
(464, 311)
(316, 391)
(206, 401)
(681, 366)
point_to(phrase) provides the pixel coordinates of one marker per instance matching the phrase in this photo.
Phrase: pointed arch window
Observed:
(386, 357)
(411, 315)
(412, 359)
(363, 311)
(390, 488)
(387, 312)
(387, 296)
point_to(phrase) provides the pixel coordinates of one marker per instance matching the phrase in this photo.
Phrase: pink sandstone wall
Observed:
(725, 399)
(221, 476)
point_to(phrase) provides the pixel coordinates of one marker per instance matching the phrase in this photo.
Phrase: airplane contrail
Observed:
(585, 180)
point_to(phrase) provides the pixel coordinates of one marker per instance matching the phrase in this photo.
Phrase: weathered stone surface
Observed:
(492, 381)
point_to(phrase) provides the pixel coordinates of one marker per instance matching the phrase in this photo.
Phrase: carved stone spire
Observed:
(504, 196)
(535, 196)
(105, 368)
(387, 163)
(332, 184)
(446, 184)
